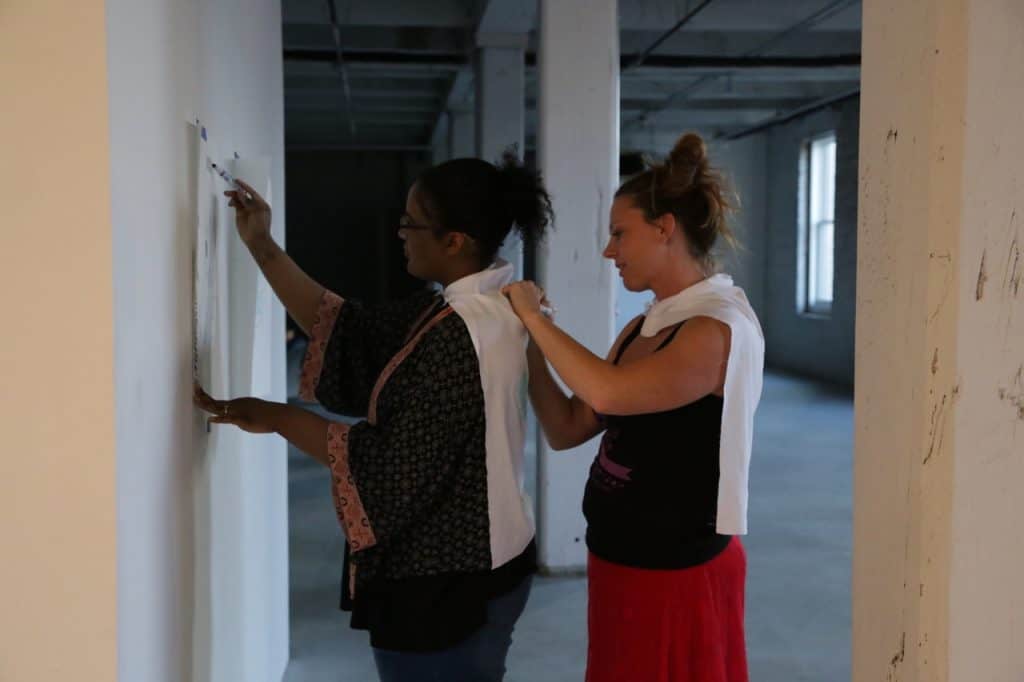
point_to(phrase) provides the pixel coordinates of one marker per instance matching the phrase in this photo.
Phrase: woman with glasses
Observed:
(428, 488)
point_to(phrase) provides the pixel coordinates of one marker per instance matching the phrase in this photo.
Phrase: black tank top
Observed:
(652, 495)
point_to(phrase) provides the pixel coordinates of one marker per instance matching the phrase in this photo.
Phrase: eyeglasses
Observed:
(405, 223)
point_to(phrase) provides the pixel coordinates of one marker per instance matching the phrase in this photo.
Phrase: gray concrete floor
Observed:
(798, 606)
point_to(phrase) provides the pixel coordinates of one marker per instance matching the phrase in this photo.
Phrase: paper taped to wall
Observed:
(204, 264)
(250, 301)
(225, 275)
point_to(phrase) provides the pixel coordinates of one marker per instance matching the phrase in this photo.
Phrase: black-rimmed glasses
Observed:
(406, 223)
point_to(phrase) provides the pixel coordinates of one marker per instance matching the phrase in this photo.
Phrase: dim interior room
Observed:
(873, 150)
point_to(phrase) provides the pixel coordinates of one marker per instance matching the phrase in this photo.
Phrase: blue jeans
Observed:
(479, 658)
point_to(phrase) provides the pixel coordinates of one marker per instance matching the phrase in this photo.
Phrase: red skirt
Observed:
(682, 625)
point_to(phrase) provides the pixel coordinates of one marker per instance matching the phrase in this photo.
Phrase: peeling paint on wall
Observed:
(979, 291)
(1013, 271)
(937, 430)
(1014, 393)
(898, 659)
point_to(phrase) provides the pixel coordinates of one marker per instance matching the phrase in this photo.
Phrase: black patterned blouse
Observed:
(410, 481)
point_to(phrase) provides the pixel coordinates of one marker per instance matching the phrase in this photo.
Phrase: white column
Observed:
(939, 451)
(501, 109)
(500, 99)
(439, 140)
(461, 135)
(578, 154)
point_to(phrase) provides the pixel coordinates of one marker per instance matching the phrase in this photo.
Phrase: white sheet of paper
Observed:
(204, 266)
(250, 301)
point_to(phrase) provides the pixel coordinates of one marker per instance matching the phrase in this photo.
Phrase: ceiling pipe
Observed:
(339, 56)
(817, 17)
(642, 57)
(793, 113)
(452, 60)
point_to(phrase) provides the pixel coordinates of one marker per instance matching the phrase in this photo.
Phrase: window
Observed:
(817, 225)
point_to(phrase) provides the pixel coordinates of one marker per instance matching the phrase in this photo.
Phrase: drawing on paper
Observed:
(204, 263)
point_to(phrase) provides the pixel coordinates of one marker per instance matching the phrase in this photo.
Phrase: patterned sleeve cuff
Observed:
(347, 503)
(313, 363)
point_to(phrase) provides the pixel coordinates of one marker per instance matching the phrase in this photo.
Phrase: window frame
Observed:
(807, 304)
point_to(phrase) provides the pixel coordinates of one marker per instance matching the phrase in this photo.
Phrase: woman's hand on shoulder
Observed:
(527, 299)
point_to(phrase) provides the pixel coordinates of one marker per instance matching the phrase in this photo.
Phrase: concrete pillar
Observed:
(939, 445)
(500, 98)
(501, 109)
(461, 133)
(439, 140)
(578, 154)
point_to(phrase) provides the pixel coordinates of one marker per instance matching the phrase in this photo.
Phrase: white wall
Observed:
(201, 525)
(58, 544)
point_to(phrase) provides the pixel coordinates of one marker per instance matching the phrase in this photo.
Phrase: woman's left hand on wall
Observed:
(249, 414)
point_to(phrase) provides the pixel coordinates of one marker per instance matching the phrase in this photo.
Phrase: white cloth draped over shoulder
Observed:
(718, 298)
(500, 341)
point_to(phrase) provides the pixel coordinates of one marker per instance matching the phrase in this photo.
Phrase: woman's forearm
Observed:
(299, 292)
(566, 421)
(552, 407)
(303, 429)
(587, 375)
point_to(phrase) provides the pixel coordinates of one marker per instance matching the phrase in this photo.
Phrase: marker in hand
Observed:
(231, 181)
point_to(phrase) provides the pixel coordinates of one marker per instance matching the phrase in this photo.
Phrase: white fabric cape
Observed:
(717, 298)
(500, 342)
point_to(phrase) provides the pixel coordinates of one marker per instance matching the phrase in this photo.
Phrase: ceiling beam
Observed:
(393, 38)
(734, 15)
(327, 103)
(760, 51)
(427, 89)
(723, 104)
(787, 116)
(456, 59)
(647, 51)
(400, 57)
(364, 147)
(702, 42)
(363, 70)
(409, 13)
(801, 89)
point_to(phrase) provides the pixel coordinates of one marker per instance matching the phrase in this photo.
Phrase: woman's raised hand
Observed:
(252, 213)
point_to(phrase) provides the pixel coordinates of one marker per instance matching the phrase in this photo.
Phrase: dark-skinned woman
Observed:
(428, 487)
